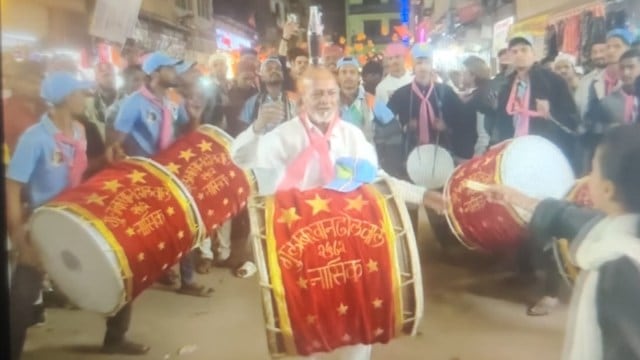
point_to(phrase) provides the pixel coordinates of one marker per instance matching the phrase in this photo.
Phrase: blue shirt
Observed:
(38, 162)
(355, 113)
(141, 120)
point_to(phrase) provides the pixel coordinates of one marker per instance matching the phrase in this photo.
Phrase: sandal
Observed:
(195, 290)
(543, 307)
(246, 270)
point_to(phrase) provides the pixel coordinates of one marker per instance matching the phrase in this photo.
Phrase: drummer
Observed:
(427, 109)
(604, 321)
(145, 125)
(50, 157)
(302, 163)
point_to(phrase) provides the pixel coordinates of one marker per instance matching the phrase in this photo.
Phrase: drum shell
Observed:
(201, 161)
(407, 259)
(111, 237)
(491, 227)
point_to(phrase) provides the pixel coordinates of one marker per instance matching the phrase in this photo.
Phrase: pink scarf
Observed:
(318, 144)
(520, 107)
(610, 82)
(629, 104)
(427, 116)
(166, 127)
(78, 165)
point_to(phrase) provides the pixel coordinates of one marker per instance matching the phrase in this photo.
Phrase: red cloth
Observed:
(571, 38)
(332, 264)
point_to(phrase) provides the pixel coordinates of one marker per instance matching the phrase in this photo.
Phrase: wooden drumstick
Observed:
(476, 186)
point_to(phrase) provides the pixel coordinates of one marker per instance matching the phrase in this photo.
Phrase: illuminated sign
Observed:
(226, 40)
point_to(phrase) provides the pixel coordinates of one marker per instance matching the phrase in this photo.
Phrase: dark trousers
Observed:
(187, 269)
(531, 258)
(26, 284)
(392, 159)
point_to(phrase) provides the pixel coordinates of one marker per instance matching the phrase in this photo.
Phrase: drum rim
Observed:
(200, 232)
(120, 271)
(441, 150)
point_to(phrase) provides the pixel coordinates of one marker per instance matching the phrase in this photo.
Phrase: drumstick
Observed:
(435, 154)
(476, 186)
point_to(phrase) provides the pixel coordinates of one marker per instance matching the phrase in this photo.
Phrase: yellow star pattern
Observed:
(131, 232)
(173, 167)
(161, 245)
(377, 303)
(112, 185)
(137, 177)
(225, 201)
(96, 199)
(356, 204)
(378, 332)
(210, 213)
(342, 309)
(232, 174)
(346, 338)
(302, 283)
(240, 191)
(141, 257)
(205, 146)
(170, 211)
(200, 196)
(311, 319)
(181, 235)
(372, 266)
(319, 204)
(289, 216)
(186, 155)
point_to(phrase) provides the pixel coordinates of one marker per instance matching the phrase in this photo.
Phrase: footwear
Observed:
(203, 266)
(125, 347)
(246, 270)
(195, 290)
(543, 307)
(169, 278)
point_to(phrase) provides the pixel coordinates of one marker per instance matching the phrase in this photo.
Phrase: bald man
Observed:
(283, 150)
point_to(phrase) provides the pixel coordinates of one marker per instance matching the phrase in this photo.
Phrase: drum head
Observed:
(430, 166)
(536, 167)
(80, 262)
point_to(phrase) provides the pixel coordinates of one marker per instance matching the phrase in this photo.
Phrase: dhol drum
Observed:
(201, 161)
(108, 239)
(430, 166)
(335, 269)
(579, 195)
(531, 164)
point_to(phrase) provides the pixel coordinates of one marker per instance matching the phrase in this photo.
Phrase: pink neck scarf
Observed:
(318, 144)
(519, 107)
(610, 81)
(78, 165)
(166, 127)
(427, 117)
(629, 108)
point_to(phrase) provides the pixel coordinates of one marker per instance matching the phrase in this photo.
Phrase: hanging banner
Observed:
(115, 20)
(535, 26)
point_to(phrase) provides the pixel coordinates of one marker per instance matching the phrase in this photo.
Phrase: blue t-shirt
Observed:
(141, 120)
(39, 163)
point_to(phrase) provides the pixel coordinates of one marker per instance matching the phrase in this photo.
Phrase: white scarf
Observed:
(611, 239)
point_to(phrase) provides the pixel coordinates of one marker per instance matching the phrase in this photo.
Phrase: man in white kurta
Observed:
(274, 152)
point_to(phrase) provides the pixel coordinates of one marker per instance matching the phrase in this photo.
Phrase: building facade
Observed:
(375, 19)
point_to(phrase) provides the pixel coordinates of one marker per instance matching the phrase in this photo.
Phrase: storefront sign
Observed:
(501, 33)
(152, 36)
(228, 41)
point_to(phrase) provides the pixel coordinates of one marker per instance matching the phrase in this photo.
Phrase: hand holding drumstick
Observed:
(505, 195)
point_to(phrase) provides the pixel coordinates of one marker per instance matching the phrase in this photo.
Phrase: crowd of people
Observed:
(60, 130)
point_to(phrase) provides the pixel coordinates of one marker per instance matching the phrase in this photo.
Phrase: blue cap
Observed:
(185, 66)
(157, 60)
(58, 85)
(623, 34)
(348, 60)
(421, 50)
(351, 173)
